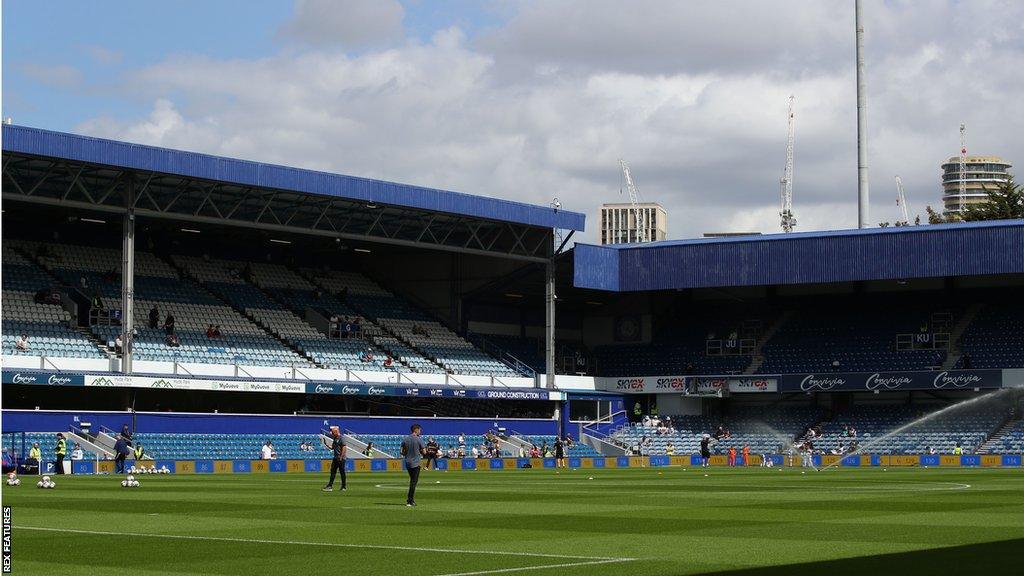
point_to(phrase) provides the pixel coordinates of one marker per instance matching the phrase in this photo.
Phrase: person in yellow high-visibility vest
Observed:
(60, 451)
(34, 453)
(139, 452)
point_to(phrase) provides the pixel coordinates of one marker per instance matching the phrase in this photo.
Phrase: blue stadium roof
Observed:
(125, 155)
(965, 249)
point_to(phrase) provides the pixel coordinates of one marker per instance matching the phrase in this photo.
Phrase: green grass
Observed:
(666, 521)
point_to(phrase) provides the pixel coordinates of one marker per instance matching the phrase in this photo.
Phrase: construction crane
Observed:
(788, 220)
(634, 199)
(901, 201)
(963, 168)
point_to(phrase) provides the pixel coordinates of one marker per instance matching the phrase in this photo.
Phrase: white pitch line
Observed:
(542, 567)
(326, 544)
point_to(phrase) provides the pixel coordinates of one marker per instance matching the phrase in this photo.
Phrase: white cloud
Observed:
(57, 76)
(348, 23)
(523, 115)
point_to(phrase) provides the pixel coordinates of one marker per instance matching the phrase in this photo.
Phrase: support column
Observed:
(549, 322)
(128, 276)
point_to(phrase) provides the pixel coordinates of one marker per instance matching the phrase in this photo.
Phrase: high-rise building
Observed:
(983, 172)
(619, 226)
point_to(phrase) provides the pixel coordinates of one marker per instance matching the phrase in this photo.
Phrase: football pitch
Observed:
(650, 521)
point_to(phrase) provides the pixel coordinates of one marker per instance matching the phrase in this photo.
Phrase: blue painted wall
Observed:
(38, 421)
(806, 258)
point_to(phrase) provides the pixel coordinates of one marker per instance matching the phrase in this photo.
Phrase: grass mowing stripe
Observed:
(542, 567)
(602, 559)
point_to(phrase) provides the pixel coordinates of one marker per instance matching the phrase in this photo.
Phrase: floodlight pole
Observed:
(128, 276)
(862, 126)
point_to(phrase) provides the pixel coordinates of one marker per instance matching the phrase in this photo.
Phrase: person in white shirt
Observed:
(77, 453)
(21, 343)
(267, 452)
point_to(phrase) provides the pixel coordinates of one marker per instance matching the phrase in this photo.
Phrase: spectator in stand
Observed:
(462, 440)
(154, 318)
(169, 323)
(348, 329)
(369, 449)
(209, 331)
(475, 452)
(83, 282)
(835, 364)
(172, 340)
(216, 331)
(267, 451)
(21, 343)
(126, 433)
(388, 362)
(97, 302)
(77, 453)
(139, 452)
(522, 451)
(368, 355)
(118, 345)
(121, 452)
(534, 451)
(671, 449)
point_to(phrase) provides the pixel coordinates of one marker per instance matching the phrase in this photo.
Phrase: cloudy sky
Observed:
(532, 100)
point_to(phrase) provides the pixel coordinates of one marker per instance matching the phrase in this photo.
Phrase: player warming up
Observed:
(337, 448)
(413, 451)
(705, 451)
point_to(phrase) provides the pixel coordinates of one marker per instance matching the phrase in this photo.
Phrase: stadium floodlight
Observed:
(93, 220)
(363, 250)
(190, 230)
(276, 241)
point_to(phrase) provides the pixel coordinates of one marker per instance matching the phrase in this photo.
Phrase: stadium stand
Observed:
(46, 441)
(165, 446)
(969, 428)
(847, 340)
(48, 326)
(995, 339)
(1007, 440)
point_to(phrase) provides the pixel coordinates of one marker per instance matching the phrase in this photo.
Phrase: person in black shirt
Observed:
(431, 457)
(154, 317)
(705, 451)
(337, 448)
(122, 450)
(169, 323)
(559, 453)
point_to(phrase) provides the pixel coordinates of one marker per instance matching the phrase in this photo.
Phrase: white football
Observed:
(51, 485)
(17, 481)
(40, 484)
(46, 478)
(130, 478)
(136, 483)
(124, 483)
